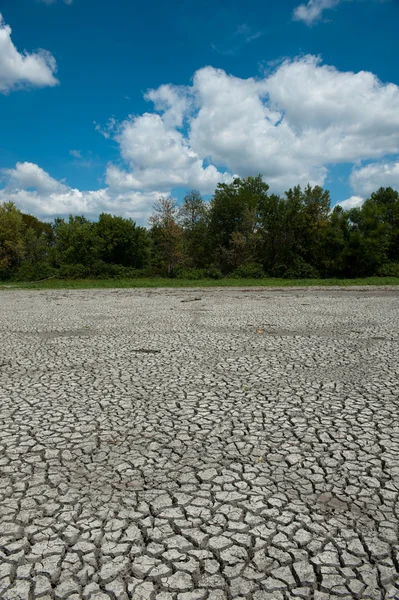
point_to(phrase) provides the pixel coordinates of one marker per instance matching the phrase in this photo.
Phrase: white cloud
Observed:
(174, 102)
(236, 126)
(36, 192)
(23, 69)
(313, 10)
(291, 125)
(158, 155)
(106, 130)
(352, 202)
(75, 153)
(29, 175)
(370, 178)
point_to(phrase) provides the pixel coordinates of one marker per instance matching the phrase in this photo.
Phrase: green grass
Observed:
(159, 282)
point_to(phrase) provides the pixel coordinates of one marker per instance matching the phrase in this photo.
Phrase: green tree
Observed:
(12, 243)
(244, 229)
(233, 219)
(38, 238)
(334, 251)
(121, 242)
(193, 219)
(281, 226)
(316, 211)
(76, 241)
(39, 227)
(167, 235)
(386, 203)
(374, 234)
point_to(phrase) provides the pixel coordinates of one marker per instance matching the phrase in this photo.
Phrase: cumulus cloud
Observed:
(35, 191)
(159, 156)
(371, 177)
(291, 125)
(352, 202)
(174, 102)
(237, 126)
(23, 69)
(28, 175)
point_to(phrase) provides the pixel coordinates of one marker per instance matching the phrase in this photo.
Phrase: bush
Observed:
(299, 269)
(388, 270)
(249, 271)
(35, 272)
(100, 270)
(213, 272)
(188, 273)
(196, 274)
(77, 271)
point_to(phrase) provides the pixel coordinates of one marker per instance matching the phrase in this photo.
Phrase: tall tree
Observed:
(234, 217)
(334, 250)
(374, 235)
(12, 244)
(38, 238)
(76, 241)
(193, 218)
(386, 204)
(122, 242)
(167, 235)
(316, 211)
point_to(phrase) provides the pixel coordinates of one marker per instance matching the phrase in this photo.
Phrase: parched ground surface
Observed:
(157, 447)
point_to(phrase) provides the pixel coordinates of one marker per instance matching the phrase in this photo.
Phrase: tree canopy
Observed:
(243, 230)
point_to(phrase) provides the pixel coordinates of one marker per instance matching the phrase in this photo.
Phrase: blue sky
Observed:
(130, 100)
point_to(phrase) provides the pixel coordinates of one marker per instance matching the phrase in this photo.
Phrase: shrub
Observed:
(77, 271)
(213, 272)
(100, 270)
(40, 270)
(388, 270)
(188, 273)
(249, 271)
(196, 274)
(300, 269)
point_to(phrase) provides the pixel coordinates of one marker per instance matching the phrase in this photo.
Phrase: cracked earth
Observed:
(240, 445)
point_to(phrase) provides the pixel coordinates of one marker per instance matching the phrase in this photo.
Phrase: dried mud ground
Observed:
(157, 446)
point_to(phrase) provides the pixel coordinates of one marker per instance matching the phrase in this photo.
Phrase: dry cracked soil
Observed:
(199, 444)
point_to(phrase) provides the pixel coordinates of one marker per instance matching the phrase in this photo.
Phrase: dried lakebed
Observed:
(240, 445)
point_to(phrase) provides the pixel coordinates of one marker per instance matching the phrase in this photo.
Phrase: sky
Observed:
(104, 106)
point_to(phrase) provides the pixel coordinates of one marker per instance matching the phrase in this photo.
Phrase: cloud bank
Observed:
(35, 191)
(291, 125)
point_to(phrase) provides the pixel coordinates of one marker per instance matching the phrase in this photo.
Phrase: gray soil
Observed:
(240, 445)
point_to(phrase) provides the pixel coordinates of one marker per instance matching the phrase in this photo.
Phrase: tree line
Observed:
(244, 231)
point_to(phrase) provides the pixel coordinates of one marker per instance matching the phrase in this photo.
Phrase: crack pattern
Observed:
(153, 449)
